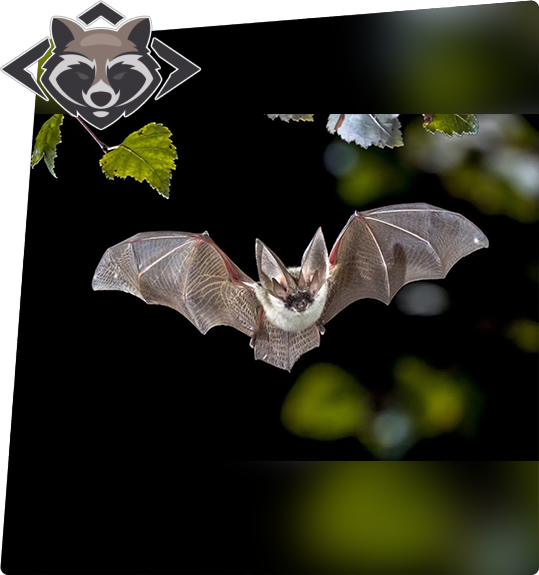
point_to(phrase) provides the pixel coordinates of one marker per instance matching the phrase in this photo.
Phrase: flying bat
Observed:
(284, 313)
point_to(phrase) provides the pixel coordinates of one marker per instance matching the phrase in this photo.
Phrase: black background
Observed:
(126, 418)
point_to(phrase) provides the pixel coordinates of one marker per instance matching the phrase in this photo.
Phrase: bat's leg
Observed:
(258, 322)
(321, 327)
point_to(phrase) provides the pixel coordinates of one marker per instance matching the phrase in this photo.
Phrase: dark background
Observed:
(144, 378)
(126, 418)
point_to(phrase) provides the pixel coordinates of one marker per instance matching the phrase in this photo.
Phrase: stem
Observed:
(103, 146)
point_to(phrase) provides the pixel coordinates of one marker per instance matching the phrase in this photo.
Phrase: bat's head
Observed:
(297, 288)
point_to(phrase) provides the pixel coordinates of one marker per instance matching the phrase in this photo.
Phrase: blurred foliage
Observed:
(455, 56)
(327, 403)
(497, 171)
(351, 513)
(438, 399)
(525, 333)
(413, 517)
(368, 175)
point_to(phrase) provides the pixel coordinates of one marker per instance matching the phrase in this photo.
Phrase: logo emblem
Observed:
(101, 74)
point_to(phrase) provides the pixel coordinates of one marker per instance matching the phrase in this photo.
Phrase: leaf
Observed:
(449, 124)
(296, 117)
(46, 141)
(326, 403)
(439, 399)
(147, 154)
(367, 129)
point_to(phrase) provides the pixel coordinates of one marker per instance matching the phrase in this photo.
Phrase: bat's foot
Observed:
(321, 328)
(252, 342)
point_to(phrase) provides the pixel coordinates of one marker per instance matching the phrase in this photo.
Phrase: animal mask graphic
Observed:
(101, 74)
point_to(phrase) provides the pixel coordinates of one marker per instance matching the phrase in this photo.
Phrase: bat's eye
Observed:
(119, 76)
(83, 76)
(308, 297)
(289, 301)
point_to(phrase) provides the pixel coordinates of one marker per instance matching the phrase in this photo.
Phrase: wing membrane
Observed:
(184, 271)
(381, 250)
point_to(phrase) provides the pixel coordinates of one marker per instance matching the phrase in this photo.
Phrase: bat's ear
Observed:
(314, 264)
(270, 268)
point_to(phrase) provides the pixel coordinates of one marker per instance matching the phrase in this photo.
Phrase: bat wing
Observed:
(184, 271)
(381, 250)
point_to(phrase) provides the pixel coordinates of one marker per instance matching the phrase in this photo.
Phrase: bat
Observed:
(286, 311)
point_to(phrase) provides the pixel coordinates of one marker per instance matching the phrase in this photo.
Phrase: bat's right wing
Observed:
(184, 271)
(381, 250)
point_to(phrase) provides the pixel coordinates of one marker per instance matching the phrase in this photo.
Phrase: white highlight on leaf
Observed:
(367, 129)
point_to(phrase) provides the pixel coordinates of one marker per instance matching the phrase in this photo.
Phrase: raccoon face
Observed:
(79, 80)
(101, 74)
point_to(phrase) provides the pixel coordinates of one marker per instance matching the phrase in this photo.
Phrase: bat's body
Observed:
(287, 317)
(284, 313)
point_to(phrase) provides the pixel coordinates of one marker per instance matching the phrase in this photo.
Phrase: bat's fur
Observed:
(287, 317)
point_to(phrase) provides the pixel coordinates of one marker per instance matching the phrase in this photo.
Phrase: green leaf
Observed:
(525, 334)
(367, 129)
(449, 124)
(326, 403)
(46, 141)
(440, 399)
(147, 154)
(296, 117)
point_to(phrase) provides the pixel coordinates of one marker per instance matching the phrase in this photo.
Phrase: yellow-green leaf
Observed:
(147, 154)
(46, 141)
(326, 403)
(449, 124)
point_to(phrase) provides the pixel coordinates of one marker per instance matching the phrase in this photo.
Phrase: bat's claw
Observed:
(321, 328)
(252, 342)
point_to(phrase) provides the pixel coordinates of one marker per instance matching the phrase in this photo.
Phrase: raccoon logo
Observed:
(101, 74)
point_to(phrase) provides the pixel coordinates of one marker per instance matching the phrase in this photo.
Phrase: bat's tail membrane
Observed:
(283, 348)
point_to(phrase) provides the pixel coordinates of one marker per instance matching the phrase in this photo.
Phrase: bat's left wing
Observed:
(381, 250)
(184, 271)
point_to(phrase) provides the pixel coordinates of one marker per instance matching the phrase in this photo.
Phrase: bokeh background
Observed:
(449, 361)
(447, 371)
(407, 517)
